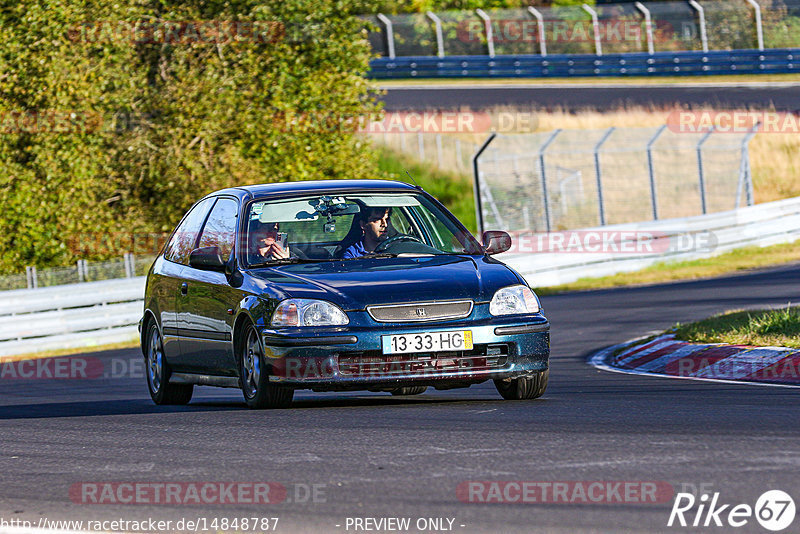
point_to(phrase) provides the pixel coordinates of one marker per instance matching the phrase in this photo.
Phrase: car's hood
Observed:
(355, 284)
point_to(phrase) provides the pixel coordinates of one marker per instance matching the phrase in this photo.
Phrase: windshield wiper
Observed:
(373, 255)
(283, 261)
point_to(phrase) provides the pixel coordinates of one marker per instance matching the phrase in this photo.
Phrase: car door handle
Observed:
(184, 288)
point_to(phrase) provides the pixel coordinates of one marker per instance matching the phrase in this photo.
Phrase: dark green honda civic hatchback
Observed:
(336, 286)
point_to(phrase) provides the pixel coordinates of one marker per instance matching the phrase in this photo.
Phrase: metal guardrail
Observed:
(772, 61)
(70, 316)
(760, 225)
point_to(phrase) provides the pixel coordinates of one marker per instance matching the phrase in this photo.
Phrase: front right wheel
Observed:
(525, 388)
(258, 391)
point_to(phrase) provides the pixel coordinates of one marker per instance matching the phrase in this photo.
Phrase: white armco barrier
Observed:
(564, 257)
(70, 316)
(98, 313)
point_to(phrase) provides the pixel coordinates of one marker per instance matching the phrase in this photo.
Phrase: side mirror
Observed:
(496, 242)
(207, 259)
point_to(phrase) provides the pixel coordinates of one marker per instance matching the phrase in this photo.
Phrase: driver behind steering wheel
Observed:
(374, 224)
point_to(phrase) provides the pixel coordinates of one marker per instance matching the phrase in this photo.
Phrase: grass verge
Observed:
(764, 328)
(731, 262)
(69, 352)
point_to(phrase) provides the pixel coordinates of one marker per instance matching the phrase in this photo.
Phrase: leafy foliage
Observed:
(145, 126)
(421, 6)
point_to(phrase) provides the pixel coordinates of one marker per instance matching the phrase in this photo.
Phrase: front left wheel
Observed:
(258, 391)
(158, 373)
(409, 390)
(525, 388)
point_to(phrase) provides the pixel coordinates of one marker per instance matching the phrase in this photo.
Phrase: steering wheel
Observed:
(396, 239)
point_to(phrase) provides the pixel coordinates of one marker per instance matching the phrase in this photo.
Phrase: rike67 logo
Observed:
(774, 510)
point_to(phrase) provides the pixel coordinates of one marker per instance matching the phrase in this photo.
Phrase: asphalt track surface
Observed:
(777, 96)
(382, 456)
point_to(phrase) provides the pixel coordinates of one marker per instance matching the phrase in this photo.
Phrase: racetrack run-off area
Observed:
(664, 355)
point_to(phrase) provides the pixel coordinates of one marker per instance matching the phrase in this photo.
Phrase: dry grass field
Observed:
(775, 157)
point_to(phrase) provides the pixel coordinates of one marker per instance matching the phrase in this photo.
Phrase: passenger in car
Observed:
(375, 224)
(267, 242)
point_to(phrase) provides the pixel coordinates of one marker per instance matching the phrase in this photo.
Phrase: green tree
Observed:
(155, 122)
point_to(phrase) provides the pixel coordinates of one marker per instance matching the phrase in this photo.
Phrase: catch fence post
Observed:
(543, 174)
(700, 171)
(389, 34)
(748, 173)
(701, 15)
(651, 170)
(648, 27)
(31, 278)
(487, 24)
(599, 176)
(598, 47)
(476, 185)
(759, 25)
(439, 37)
(542, 34)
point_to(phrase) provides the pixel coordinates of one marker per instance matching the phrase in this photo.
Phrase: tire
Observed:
(409, 390)
(158, 372)
(258, 391)
(526, 388)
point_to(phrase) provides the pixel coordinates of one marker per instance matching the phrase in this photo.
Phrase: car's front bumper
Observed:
(351, 357)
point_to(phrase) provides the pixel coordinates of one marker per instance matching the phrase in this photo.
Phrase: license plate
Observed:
(427, 342)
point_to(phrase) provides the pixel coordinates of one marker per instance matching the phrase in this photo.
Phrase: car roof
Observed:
(310, 186)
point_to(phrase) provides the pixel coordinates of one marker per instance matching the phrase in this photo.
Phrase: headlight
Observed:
(514, 300)
(305, 312)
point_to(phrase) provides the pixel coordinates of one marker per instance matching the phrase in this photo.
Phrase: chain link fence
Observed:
(568, 179)
(610, 28)
(450, 152)
(128, 266)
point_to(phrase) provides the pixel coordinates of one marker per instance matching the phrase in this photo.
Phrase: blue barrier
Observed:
(772, 61)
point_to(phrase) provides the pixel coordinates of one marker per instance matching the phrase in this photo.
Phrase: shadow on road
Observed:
(142, 406)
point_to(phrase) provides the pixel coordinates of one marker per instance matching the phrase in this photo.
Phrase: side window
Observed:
(220, 229)
(185, 236)
(403, 222)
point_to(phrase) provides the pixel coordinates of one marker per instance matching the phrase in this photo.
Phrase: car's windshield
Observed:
(351, 226)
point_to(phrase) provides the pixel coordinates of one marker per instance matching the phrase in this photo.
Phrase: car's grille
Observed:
(375, 364)
(421, 311)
